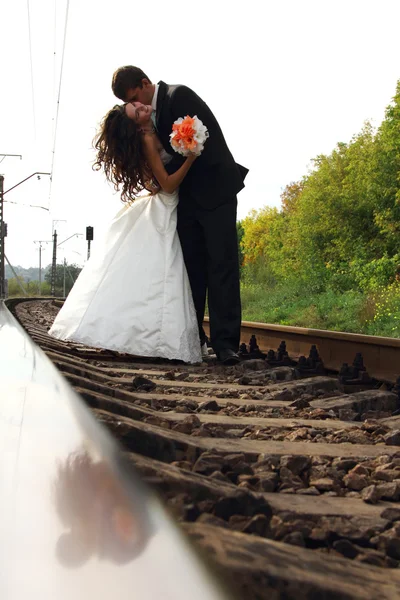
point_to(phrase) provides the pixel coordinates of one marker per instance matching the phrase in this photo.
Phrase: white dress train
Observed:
(133, 295)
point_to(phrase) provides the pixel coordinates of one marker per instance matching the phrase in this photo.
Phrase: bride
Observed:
(133, 295)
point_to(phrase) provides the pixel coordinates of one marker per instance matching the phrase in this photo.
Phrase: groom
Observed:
(206, 210)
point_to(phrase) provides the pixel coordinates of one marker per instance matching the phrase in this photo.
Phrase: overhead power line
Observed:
(27, 205)
(54, 66)
(58, 100)
(31, 63)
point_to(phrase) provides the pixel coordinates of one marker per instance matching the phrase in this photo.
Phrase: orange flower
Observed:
(184, 133)
(188, 135)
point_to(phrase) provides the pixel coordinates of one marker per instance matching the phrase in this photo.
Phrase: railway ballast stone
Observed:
(389, 541)
(295, 538)
(256, 364)
(370, 494)
(289, 481)
(258, 525)
(361, 402)
(392, 438)
(143, 384)
(211, 405)
(346, 548)
(347, 414)
(382, 474)
(283, 374)
(296, 464)
(267, 482)
(301, 403)
(344, 464)
(284, 395)
(187, 425)
(389, 491)
(325, 484)
(207, 519)
(243, 503)
(250, 380)
(391, 514)
(310, 491)
(207, 463)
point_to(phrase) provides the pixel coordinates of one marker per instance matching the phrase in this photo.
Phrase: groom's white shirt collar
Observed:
(154, 101)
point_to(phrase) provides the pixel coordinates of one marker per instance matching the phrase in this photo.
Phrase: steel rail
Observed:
(381, 354)
(76, 521)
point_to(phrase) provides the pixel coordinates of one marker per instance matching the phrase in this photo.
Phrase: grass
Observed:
(354, 311)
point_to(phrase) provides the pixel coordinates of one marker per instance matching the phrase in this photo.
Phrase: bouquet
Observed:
(188, 136)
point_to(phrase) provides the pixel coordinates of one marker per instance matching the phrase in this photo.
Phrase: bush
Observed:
(374, 275)
(386, 312)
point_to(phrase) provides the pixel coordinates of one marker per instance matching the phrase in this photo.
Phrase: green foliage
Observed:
(13, 287)
(324, 310)
(375, 274)
(331, 255)
(30, 287)
(386, 312)
(69, 274)
(240, 233)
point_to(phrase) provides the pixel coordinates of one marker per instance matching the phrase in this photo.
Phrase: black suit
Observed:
(207, 216)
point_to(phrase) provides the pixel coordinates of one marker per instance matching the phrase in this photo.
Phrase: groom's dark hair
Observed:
(126, 78)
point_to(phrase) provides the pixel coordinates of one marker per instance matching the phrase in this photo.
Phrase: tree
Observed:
(71, 274)
(240, 233)
(387, 213)
(339, 226)
(291, 195)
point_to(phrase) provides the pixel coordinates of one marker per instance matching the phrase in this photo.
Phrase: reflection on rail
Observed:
(76, 522)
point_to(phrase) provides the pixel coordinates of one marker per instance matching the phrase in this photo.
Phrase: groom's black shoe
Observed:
(228, 357)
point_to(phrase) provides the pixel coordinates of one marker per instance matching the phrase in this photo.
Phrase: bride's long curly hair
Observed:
(120, 154)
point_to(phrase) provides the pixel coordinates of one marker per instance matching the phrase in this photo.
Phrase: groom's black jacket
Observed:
(214, 178)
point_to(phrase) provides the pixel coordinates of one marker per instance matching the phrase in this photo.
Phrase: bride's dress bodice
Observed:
(165, 157)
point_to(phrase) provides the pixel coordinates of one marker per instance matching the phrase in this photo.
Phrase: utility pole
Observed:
(54, 261)
(40, 269)
(40, 242)
(54, 265)
(65, 264)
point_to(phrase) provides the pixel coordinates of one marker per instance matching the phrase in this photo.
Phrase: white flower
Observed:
(188, 136)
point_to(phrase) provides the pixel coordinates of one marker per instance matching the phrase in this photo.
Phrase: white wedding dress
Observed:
(133, 295)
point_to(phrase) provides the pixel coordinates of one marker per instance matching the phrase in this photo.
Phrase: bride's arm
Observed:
(169, 183)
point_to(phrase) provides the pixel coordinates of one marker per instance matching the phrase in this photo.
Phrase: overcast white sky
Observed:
(287, 80)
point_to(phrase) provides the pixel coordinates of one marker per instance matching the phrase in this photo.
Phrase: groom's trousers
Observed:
(210, 250)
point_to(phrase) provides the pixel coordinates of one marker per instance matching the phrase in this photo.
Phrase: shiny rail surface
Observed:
(76, 521)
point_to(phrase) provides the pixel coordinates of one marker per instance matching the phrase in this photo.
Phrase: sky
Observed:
(286, 80)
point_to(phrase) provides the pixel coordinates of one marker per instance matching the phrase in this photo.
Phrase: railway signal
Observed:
(89, 238)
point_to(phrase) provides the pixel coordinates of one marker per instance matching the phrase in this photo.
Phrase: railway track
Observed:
(287, 475)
